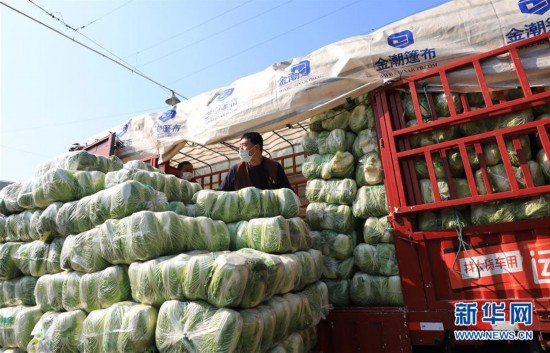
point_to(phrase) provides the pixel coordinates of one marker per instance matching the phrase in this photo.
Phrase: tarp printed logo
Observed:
(167, 115)
(225, 94)
(123, 131)
(537, 7)
(298, 71)
(401, 39)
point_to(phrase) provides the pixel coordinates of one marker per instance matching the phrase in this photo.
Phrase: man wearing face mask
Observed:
(254, 169)
(186, 170)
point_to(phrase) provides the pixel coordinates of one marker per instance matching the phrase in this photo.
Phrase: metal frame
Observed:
(425, 284)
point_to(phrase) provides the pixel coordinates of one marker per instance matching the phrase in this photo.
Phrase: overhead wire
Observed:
(143, 111)
(103, 16)
(62, 20)
(265, 41)
(190, 29)
(133, 70)
(214, 34)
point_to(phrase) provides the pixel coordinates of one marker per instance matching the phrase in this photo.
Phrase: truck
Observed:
(489, 275)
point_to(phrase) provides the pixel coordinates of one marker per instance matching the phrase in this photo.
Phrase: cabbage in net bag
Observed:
(370, 202)
(335, 191)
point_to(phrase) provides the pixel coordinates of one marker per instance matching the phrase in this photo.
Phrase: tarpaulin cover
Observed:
(292, 91)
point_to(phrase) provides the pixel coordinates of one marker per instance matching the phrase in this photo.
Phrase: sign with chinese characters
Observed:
(466, 314)
(524, 264)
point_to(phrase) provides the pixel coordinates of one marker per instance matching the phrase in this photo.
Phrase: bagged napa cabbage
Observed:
(82, 252)
(334, 244)
(323, 216)
(341, 192)
(408, 106)
(31, 258)
(17, 291)
(8, 199)
(173, 187)
(338, 269)
(456, 163)
(327, 166)
(475, 127)
(59, 185)
(444, 219)
(370, 202)
(197, 327)
(499, 181)
(17, 324)
(339, 292)
(137, 164)
(512, 119)
(371, 290)
(377, 230)
(142, 236)
(420, 139)
(442, 106)
(46, 226)
(98, 290)
(246, 204)
(275, 235)
(49, 291)
(123, 327)
(330, 142)
(365, 142)
(542, 160)
(22, 226)
(362, 118)
(369, 170)
(510, 210)
(8, 265)
(220, 277)
(492, 152)
(116, 202)
(461, 189)
(421, 168)
(309, 142)
(81, 160)
(58, 332)
(335, 119)
(377, 259)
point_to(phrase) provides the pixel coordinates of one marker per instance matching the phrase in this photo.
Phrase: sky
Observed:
(54, 92)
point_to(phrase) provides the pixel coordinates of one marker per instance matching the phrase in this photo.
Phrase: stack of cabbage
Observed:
(28, 250)
(263, 292)
(67, 198)
(345, 183)
(496, 177)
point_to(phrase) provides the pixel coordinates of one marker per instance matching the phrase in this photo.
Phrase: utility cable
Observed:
(144, 111)
(189, 29)
(214, 34)
(94, 50)
(265, 41)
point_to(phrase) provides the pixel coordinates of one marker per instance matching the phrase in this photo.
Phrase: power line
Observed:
(189, 29)
(24, 151)
(81, 120)
(215, 34)
(107, 14)
(265, 41)
(133, 70)
(62, 20)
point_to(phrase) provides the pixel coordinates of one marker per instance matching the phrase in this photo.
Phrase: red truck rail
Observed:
(434, 264)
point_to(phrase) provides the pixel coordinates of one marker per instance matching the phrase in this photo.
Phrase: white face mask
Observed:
(245, 156)
(187, 175)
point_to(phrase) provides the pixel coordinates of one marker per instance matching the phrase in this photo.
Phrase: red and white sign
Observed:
(524, 265)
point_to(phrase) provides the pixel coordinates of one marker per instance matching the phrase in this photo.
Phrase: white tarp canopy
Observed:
(290, 92)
